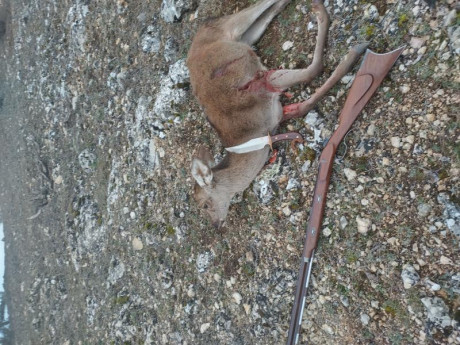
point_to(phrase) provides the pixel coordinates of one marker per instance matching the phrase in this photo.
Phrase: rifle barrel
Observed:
(368, 78)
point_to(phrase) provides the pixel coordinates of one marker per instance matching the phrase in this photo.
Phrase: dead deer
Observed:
(240, 97)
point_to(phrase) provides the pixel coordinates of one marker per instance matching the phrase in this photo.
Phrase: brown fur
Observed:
(240, 97)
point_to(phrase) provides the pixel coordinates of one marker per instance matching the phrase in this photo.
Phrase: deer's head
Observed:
(209, 195)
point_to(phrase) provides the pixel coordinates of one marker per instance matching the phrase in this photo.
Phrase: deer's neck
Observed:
(236, 171)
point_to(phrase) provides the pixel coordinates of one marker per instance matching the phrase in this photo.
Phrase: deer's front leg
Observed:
(236, 25)
(301, 109)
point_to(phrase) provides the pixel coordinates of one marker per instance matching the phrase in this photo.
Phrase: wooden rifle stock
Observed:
(368, 78)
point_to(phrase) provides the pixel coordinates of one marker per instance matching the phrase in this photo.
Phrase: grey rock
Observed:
(172, 91)
(293, 184)
(371, 12)
(263, 190)
(454, 37)
(172, 10)
(116, 271)
(343, 222)
(451, 214)
(424, 209)
(365, 319)
(151, 40)
(87, 160)
(450, 18)
(171, 49)
(345, 301)
(409, 276)
(76, 18)
(203, 261)
(437, 312)
(312, 119)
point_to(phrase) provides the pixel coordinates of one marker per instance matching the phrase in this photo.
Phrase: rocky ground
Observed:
(104, 242)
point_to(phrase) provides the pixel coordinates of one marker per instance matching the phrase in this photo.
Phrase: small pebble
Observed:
(363, 224)
(423, 210)
(409, 276)
(404, 88)
(395, 142)
(287, 211)
(344, 301)
(137, 244)
(365, 319)
(445, 260)
(287, 45)
(237, 297)
(416, 42)
(421, 51)
(328, 329)
(349, 174)
(204, 327)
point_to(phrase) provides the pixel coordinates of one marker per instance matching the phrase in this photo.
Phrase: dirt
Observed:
(104, 243)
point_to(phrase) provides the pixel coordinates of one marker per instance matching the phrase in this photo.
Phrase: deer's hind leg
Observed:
(282, 79)
(290, 78)
(255, 31)
(249, 24)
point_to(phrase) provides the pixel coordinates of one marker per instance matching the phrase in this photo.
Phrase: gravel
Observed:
(104, 242)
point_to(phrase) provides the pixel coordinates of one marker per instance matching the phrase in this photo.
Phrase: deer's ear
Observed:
(201, 172)
(205, 156)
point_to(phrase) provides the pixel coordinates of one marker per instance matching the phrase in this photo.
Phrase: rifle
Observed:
(368, 78)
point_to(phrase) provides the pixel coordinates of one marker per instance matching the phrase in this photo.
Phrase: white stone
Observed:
(422, 50)
(349, 174)
(328, 329)
(445, 260)
(237, 297)
(404, 88)
(416, 42)
(371, 12)
(137, 244)
(204, 327)
(287, 45)
(410, 139)
(395, 141)
(363, 224)
(371, 129)
(327, 232)
(347, 79)
(287, 211)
